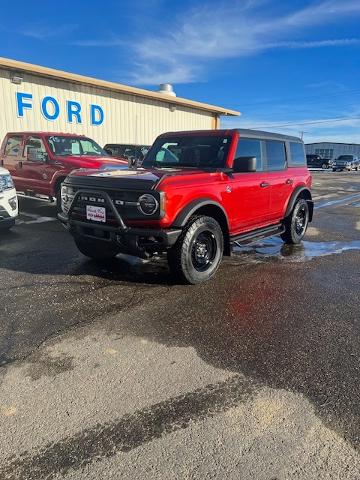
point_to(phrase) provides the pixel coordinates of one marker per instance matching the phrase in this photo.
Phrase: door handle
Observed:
(264, 184)
(289, 181)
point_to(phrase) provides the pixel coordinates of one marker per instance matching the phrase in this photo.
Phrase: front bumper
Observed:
(140, 242)
(8, 207)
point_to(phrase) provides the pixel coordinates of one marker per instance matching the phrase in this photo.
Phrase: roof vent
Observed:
(167, 89)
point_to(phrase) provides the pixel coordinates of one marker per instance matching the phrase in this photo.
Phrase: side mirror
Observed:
(244, 165)
(36, 155)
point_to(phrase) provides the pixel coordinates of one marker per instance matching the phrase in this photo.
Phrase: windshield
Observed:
(64, 146)
(188, 151)
(345, 157)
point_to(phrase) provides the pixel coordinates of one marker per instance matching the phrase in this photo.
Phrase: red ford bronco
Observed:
(196, 194)
(40, 161)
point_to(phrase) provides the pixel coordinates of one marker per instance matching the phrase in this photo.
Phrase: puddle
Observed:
(275, 249)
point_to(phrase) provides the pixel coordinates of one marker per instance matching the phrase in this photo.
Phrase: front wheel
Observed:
(324, 166)
(296, 223)
(197, 254)
(94, 249)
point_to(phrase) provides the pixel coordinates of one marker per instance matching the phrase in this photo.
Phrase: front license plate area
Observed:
(95, 214)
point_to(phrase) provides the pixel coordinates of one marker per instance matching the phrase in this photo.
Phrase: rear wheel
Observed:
(198, 251)
(95, 249)
(324, 166)
(296, 223)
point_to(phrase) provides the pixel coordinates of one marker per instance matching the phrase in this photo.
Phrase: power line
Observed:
(300, 98)
(290, 124)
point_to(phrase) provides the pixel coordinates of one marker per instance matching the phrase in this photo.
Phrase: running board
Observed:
(253, 236)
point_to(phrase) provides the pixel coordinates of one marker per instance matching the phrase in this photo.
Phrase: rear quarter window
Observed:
(275, 154)
(297, 154)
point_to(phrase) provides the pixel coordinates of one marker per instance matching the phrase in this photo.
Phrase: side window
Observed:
(13, 146)
(248, 147)
(34, 142)
(297, 153)
(276, 154)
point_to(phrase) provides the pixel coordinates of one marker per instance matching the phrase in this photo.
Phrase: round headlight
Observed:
(147, 204)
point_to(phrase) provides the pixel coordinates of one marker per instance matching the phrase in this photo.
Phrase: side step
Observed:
(254, 235)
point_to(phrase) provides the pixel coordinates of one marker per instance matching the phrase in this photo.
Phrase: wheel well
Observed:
(57, 184)
(216, 213)
(306, 195)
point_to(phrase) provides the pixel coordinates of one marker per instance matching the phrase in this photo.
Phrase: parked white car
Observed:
(8, 200)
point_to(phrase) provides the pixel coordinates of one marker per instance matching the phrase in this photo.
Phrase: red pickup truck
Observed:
(40, 161)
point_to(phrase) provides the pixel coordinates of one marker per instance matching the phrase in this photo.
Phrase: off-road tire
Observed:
(293, 234)
(58, 198)
(184, 255)
(97, 250)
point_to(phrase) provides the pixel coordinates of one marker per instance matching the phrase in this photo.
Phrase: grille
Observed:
(79, 208)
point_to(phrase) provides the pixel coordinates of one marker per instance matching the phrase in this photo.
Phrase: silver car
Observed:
(346, 162)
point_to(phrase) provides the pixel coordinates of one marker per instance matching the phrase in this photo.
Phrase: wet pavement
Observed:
(114, 371)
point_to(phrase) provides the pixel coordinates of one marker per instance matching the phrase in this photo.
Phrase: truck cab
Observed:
(40, 161)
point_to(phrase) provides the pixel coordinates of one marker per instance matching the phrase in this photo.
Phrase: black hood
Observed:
(119, 178)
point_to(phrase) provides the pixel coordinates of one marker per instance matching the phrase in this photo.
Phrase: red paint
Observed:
(43, 178)
(247, 206)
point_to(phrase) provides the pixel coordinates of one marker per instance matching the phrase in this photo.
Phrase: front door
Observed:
(248, 202)
(33, 169)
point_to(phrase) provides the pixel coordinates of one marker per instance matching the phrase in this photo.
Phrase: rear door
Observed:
(248, 201)
(279, 177)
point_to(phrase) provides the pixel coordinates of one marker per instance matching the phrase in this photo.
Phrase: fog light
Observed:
(13, 203)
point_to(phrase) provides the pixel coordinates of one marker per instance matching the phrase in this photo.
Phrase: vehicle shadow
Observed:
(277, 324)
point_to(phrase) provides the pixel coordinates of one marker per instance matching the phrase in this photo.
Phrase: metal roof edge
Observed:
(19, 66)
(333, 143)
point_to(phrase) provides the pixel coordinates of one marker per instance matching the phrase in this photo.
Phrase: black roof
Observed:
(261, 134)
(242, 131)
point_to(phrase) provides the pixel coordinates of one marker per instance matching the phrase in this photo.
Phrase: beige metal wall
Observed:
(127, 118)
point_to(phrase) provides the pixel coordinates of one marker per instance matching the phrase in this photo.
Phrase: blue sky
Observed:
(277, 61)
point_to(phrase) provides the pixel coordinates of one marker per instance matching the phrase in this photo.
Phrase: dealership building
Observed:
(35, 98)
(332, 150)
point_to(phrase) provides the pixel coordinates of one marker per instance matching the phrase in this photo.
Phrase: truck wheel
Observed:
(197, 254)
(95, 249)
(296, 223)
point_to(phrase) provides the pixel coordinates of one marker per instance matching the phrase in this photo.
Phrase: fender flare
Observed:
(294, 197)
(183, 216)
(59, 176)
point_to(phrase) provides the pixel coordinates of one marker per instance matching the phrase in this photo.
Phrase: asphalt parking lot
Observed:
(113, 371)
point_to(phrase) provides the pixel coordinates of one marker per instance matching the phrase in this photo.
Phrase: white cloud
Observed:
(42, 32)
(236, 30)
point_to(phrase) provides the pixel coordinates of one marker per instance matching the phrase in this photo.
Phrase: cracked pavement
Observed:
(114, 371)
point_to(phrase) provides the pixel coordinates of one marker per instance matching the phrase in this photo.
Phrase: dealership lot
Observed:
(113, 371)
